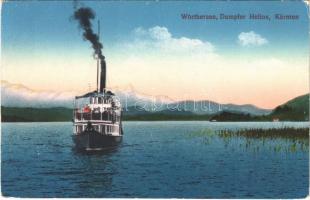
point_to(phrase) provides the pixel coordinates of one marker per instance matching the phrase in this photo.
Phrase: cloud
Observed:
(156, 61)
(154, 57)
(251, 39)
(159, 39)
(160, 33)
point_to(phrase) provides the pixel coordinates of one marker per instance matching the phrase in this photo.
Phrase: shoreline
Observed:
(172, 120)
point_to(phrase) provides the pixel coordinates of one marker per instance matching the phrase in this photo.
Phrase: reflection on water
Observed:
(158, 159)
(98, 171)
(105, 151)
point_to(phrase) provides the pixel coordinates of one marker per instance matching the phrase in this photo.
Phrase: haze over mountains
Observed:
(18, 95)
(20, 103)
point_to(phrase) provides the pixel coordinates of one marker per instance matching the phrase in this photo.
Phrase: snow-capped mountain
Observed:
(18, 95)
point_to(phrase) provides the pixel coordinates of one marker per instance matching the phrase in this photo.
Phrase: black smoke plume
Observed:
(84, 15)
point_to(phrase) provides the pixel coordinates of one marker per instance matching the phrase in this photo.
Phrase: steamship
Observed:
(97, 116)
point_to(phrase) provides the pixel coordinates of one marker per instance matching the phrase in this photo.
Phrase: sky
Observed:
(149, 48)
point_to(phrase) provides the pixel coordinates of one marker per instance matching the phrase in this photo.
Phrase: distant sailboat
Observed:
(209, 106)
(220, 107)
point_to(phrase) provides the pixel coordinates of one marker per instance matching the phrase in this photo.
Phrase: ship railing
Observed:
(106, 102)
(96, 116)
(105, 129)
(108, 129)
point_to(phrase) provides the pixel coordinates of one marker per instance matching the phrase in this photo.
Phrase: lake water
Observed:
(155, 159)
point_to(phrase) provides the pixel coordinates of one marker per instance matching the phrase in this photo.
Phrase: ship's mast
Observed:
(98, 74)
(98, 59)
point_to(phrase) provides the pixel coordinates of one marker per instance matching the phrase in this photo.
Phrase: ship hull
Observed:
(94, 141)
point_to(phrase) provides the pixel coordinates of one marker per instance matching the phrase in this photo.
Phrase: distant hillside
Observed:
(15, 114)
(139, 114)
(296, 109)
(231, 117)
(246, 108)
(166, 117)
(211, 107)
(135, 111)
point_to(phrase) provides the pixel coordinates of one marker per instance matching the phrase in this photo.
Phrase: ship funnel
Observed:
(103, 71)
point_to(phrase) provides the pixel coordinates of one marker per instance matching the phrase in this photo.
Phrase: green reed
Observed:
(288, 139)
(272, 133)
(277, 139)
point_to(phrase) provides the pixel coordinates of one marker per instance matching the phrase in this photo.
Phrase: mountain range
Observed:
(296, 109)
(18, 95)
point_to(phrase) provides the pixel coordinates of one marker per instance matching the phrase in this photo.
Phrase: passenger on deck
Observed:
(105, 115)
